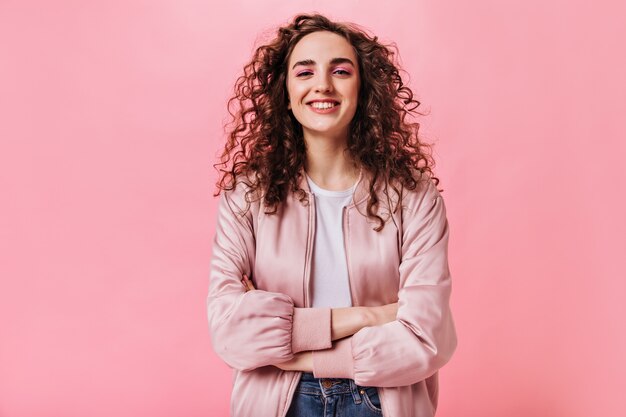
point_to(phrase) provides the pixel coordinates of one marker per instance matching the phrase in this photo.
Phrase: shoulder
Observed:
(425, 194)
(244, 198)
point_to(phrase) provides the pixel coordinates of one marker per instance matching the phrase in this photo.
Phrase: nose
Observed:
(323, 84)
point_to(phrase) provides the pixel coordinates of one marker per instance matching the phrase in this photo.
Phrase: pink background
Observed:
(111, 115)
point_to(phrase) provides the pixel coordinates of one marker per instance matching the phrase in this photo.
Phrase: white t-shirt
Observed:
(329, 273)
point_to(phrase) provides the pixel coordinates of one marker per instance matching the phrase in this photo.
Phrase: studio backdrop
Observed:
(111, 118)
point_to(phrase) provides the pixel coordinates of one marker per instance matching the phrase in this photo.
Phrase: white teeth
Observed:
(319, 105)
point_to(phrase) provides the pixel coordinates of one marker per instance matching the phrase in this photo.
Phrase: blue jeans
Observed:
(330, 397)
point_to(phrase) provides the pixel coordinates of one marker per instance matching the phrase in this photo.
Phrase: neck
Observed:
(330, 166)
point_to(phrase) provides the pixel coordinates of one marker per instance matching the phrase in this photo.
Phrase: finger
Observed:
(247, 283)
(244, 282)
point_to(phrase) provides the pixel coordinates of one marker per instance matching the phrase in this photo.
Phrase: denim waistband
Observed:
(328, 386)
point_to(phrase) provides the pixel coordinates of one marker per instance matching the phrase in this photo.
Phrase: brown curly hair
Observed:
(266, 141)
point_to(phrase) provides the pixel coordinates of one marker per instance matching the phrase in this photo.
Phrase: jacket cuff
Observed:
(311, 329)
(336, 362)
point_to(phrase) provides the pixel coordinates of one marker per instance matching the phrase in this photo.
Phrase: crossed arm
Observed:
(253, 328)
(345, 321)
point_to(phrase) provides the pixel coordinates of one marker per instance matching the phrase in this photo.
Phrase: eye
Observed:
(337, 71)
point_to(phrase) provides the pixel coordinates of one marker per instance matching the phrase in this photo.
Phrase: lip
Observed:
(324, 111)
(323, 100)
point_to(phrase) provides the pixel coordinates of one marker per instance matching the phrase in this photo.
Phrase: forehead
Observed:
(321, 47)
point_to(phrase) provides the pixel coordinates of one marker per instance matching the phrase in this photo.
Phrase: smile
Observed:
(324, 108)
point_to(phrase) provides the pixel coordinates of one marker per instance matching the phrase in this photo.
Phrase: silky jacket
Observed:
(405, 262)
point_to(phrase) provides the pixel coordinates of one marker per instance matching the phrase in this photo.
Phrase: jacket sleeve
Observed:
(423, 337)
(250, 329)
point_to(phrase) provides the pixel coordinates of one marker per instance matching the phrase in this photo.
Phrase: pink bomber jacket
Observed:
(406, 262)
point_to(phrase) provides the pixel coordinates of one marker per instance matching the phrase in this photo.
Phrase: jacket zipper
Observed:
(309, 251)
(344, 225)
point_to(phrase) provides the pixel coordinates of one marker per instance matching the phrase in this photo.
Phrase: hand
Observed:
(247, 283)
(383, 314)
(302, 361)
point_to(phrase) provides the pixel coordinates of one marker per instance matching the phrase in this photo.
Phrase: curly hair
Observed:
(266, 148)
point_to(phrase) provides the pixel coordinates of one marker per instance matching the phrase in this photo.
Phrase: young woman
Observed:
(329, 284)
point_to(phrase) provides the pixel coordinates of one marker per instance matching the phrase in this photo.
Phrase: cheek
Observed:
(354, 94)
(353, 90)
(294, 91)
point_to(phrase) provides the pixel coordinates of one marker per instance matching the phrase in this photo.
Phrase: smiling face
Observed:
(323, 84)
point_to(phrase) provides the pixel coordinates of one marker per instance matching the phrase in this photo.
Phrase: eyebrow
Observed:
(332, 61)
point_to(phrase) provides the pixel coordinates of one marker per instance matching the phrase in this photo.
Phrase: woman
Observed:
(329, 288)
